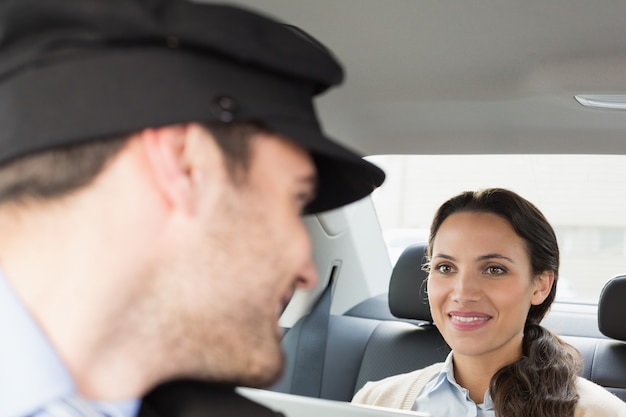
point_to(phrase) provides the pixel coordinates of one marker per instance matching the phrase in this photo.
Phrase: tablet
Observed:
(300, 406)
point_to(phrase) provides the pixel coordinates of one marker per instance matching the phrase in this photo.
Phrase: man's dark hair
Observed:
(58, 172)
(234, 141)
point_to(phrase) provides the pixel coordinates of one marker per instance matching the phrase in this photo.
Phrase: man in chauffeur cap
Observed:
(156, 158)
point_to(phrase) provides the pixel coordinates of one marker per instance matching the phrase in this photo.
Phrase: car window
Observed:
(583, 197)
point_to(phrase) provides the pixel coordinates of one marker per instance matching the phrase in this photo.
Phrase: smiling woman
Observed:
(494, 266)
(493, 272)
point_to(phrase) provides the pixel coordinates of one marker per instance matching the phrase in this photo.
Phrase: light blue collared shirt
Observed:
(31, 372)
(443, 397)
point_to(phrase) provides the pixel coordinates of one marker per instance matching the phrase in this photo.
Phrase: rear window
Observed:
(583, 197)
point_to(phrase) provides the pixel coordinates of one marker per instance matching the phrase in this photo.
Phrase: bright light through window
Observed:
(583, 197)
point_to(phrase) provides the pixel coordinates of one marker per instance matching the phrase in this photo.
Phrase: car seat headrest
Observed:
(612, 308)
(407, 288)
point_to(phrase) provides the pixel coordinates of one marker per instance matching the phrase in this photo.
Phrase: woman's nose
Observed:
(466, 288)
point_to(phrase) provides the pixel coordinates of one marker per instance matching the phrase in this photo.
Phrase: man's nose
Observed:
(308, 278)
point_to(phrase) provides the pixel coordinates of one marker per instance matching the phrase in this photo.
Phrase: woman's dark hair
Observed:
(542, 382)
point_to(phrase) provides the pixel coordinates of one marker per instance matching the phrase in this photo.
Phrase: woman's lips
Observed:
(472, 320)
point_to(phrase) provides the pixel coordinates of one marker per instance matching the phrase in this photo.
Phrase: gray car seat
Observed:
(605, 364)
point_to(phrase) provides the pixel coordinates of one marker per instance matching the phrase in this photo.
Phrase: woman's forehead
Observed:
(477, 234)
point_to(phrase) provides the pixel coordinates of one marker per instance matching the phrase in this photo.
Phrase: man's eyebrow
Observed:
(310, 181)
(309, 178)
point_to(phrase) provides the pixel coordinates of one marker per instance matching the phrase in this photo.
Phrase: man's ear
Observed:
(543, 285)
(167, 160)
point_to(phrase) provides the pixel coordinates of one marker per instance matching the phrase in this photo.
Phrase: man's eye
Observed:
(303, 199)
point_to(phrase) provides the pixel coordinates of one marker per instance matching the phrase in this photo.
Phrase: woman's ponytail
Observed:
(542, 383)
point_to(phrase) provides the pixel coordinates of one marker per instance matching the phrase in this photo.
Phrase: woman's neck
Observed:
(474, 372)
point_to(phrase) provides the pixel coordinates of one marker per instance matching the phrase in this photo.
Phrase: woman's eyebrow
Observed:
(444, 256)
(478, 259)
(494, 256)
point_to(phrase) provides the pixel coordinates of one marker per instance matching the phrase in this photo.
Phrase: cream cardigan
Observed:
(400, 391)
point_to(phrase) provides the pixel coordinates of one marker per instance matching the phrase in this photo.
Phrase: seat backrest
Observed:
(408, 341)
(606, 365)
(346, 344)
(604, 362)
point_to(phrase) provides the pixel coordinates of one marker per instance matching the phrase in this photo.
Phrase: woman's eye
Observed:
(444, 269)
(495, 270)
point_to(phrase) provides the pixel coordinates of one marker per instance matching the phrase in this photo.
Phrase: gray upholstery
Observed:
(396, 347)
(348, 339)
(361, 350)
(407, 287)
(377, 308)
(604, 362)
(612, 308)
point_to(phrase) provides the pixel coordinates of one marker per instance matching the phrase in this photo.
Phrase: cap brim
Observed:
(343, 175)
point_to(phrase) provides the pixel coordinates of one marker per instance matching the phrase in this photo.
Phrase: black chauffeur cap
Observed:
(75, 70)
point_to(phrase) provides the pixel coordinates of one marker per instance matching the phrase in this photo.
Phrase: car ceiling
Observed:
(469, 76)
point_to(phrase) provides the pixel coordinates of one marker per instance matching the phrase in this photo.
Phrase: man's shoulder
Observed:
(189, 398)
